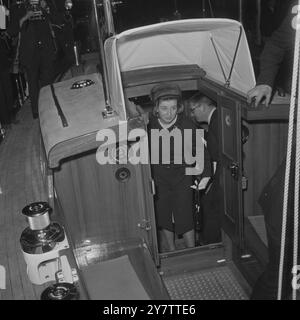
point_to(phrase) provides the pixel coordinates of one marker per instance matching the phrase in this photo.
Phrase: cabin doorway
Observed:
(225, 254)
(207, 224)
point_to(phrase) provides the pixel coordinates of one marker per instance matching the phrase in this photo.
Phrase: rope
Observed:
(288, 157)
(297, 184)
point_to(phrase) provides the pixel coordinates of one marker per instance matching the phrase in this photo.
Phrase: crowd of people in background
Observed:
(48, 42)
(35, 46)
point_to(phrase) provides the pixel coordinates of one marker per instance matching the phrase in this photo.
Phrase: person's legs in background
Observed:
(212, 215)
(32, 72)
(6, 99)
(46, 71)
(39, 74)
(266, 287)
(271, 201)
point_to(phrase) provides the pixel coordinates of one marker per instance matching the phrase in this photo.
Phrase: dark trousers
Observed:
(271, 201)
(211, 206)
(39, 74)
(6, 97)
(266, 287)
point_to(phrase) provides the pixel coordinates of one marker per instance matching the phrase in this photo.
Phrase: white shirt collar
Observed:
(166, 126)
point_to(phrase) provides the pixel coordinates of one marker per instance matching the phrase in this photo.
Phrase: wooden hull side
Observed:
(263, 153)
(96, 204)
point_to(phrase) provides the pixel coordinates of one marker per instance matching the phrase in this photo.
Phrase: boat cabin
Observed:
(107, 210)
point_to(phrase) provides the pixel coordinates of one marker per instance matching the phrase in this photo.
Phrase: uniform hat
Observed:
(165, 90)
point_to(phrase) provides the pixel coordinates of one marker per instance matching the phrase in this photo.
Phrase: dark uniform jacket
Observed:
(182, 123)
(271, 200)
(279, 50)
(212, 198)
(280, 47)
(4, 54)
(33, 33)
(212, 137)
(6, 96)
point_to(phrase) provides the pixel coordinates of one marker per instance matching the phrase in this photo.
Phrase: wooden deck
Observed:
(20, 184)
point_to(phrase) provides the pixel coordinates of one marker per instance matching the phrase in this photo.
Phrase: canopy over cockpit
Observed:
(218, 46)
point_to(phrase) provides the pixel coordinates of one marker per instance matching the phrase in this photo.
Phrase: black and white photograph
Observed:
(149, 150)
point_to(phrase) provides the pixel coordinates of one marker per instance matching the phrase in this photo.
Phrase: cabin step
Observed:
(219, 283)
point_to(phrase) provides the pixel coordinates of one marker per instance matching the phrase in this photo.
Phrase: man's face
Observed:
(167, 110)
(197, 112)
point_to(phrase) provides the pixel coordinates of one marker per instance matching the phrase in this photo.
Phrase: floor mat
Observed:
(212, 284)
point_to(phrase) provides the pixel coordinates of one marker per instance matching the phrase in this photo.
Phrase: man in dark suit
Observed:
(33, 20)
(203, 110)
(278, 50)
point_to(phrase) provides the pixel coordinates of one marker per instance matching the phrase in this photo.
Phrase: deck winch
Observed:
(61, 291)
(42, 244)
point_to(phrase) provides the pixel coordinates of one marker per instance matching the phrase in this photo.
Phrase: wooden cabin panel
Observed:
(230, 206)
(230, 166)
(229, 120)
(263, 153)
(96, 204)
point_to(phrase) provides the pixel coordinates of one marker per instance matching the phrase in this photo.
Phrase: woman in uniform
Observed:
(174, 196)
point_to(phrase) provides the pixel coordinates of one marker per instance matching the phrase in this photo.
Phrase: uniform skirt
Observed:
(173, 199)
